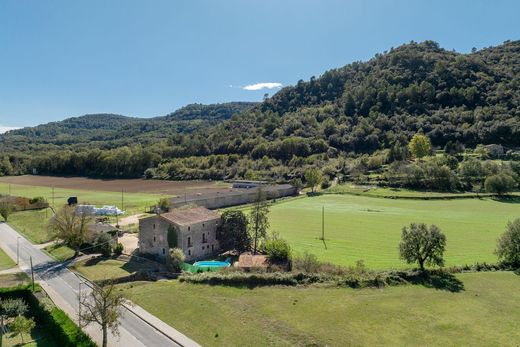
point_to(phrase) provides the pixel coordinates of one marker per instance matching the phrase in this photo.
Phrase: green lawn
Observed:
(5, 261)
(38, 338)
(382, 192)
(485, 313)
(33, 223)
(13, 279)
(358, 227)
(102, 269)
(59, 252)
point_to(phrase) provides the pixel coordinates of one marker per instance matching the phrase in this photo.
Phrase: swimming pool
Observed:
(212, 263)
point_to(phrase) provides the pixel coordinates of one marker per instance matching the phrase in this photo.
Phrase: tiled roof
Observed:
(190, 215)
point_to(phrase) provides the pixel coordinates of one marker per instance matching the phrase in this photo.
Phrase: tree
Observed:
(508, 245)
(22, 325)
(258, 219)
(11, 308)
(422, 245)
(232, 233)
(175, 260)
(71, 226)
(164, 204)
(499, 184)
(5, 210)
(420, 146)
(103, 243)
(277, 249)
(313, 177)
(102, 306)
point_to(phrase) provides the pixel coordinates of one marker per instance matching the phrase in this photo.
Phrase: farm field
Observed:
(485, 313)
(136, 185)
(367, 228)
(5, 261)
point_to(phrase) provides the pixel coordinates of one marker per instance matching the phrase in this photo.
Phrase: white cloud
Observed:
(4, 129)
(264, 85)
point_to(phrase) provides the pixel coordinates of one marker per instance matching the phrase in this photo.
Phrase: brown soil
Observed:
(116, 185)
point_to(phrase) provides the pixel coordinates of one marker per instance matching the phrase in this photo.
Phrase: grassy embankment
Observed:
(485, 313)
(5, 261)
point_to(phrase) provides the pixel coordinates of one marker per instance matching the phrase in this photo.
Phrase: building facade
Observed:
(194, 230)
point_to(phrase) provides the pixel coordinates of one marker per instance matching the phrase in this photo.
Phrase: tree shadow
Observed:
(508, 199)
(439, 280)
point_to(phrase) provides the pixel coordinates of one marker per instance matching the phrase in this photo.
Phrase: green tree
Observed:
(232, 233)
(103, 306)
(164, 204)
(420, 146)
(258, 219)
(5, 210)
(277, 249)
(22, 325)
(499, 184)
(71, 226)
(313, 177)
(422, 245)
(11, 308)
(508, 245)
(175, 260)
(103, 243)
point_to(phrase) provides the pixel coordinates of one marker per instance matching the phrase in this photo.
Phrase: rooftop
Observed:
(189, 216)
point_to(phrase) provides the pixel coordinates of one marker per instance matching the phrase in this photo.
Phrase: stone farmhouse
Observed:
(194, 230)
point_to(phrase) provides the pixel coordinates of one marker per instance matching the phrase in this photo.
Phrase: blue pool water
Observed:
(212, 263)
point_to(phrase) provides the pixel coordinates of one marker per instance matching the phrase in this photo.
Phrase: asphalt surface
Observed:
(62, 285)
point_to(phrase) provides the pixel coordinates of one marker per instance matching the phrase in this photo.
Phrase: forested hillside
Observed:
(348, 122)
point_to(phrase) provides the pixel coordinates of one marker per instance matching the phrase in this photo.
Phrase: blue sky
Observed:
(147, 58)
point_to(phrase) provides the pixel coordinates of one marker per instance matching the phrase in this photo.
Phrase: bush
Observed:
(118, 250)
(277, 250)
(508, 248)
(164, 204)
(36, 200)
(499, 184)
(175, 260)
(103, 244)
(307, 263)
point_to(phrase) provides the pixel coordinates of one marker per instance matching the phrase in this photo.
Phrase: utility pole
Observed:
(17, 250)
(32, 273)
(323, 222)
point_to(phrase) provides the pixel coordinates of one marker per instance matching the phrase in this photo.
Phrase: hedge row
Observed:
(63, 330)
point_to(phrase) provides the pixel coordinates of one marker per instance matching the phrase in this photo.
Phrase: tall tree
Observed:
(258, 219)
(232, 233)
(313, 177)
(22, 325)
(71, 226)
(422, 245)
(5, 210)
(508, 247)
(102, 306)
(420, 146)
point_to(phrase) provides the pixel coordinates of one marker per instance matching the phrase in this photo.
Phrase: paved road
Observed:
(63, 286)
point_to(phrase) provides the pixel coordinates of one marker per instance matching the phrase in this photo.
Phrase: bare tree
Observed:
(71, 226)
(102, 306)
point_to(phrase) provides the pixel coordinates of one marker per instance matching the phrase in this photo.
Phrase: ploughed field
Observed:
(486, 312)
(369, 229)
(136, 185)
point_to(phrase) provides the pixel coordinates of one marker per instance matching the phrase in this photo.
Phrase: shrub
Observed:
(175, 260)
(36, 200)
(103, 244)
(164, 204)
(499, 184)
(308, 262)
(277, 250)
(508, 248)
(118, 250)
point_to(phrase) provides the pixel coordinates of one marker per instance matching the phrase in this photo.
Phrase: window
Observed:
(202, 247)
(154, 225)
(189, 228)
(189, 241)
(212, 249)
(202, 225)
(204, 238)
(189, 251)
(163, 251)
(154, 238)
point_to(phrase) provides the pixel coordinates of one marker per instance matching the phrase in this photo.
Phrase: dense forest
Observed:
(348, 122)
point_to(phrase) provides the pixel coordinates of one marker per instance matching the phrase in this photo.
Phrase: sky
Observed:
(62, 58)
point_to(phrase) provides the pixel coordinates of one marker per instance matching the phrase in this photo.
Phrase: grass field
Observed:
(5, 261)
(358, 227)
(59, 252)
(387, 192)
(486, 313)
(13, 279)
(101, 269)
